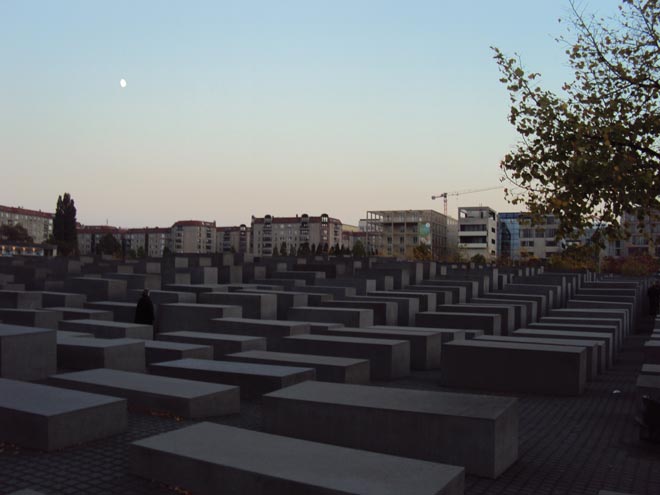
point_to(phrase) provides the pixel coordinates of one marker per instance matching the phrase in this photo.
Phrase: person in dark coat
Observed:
(654, 298)
(144, 312)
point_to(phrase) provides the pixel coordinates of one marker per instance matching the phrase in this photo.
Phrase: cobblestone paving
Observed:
(568, 445)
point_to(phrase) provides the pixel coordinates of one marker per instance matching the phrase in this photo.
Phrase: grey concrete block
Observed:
(82, 314)
(253, 379)
(121, 311)
(81, 353)
(650, 369)
(570, 334)
(157, 351)
(63, 299)
(220, 343)
(596, 352)
(489, 323)
(195, 317)
(49, 418)
(30, 317)
(350, 317)
(206, 458)
(19, 299)
(272, 330)
(384, 313)
(514, 368)
(389, 359)
(478, 432)
(109, 329)
(652, 351)
(259, 306)
(425, 344)
(286, 300)
(148, 393)
(328, 368)
(97, 289)
(27, 353)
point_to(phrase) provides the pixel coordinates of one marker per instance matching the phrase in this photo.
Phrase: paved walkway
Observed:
(574, 445)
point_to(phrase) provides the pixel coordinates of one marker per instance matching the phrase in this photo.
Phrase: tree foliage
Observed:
(591, 154)
(359, 250)
(15, 233)
(422, 252)
(108, 244)
(65, 234)
(479, 259)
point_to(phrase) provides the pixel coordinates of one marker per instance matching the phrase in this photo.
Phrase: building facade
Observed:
(89, 237)
(518, 238)
(233, 239)
(293, 233)
(644, 234)
(477, 232)
(193, 236)
(148, 241)
(399, 232)
(39, 224)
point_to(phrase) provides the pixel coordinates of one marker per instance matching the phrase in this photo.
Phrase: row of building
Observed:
(479, 230)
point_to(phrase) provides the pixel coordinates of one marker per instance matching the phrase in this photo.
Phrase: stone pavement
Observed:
(568, 445)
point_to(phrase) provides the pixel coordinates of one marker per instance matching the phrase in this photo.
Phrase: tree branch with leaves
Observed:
(591, 154)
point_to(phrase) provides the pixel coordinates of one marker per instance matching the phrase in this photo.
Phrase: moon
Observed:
(122, 83)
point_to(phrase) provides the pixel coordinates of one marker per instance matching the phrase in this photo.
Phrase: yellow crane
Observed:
(444, 195)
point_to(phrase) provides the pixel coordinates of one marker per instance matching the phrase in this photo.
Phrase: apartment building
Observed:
(233, 239)
(398, 232)
(193, 236)
(477, 232)
(39, 224)
(151, 241)
(352, 234)
(271, 232)
(518, 238)
(644, 234)
(89, 237)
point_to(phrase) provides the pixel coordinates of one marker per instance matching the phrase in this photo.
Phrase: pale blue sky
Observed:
(255, 107)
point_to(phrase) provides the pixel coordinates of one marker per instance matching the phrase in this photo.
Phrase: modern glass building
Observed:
(508, 235)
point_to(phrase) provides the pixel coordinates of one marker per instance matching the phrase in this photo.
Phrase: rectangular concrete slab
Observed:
(62, 299)
(27, 353)
(220, 343)
(272, 330)
(40, 318)
(20, 299)
(384, 313)
(389, 359)
(349, 317)
(650, 369)
(479, 432)
(252, 378)
(568, 334)
(210, 459)
(50, 418)
(177, 317)
(82, 313)
(121, 311)
(109, 329)
(596, 355)
(328, 368)
(425, 344)
(254, 305)
(80, 353)
(652, 351)
(489, 323)
(514, 368)
(151, 393)
(157, 351)
(97, 289)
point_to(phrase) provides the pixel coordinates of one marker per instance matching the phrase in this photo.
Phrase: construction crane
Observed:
(444, 195)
